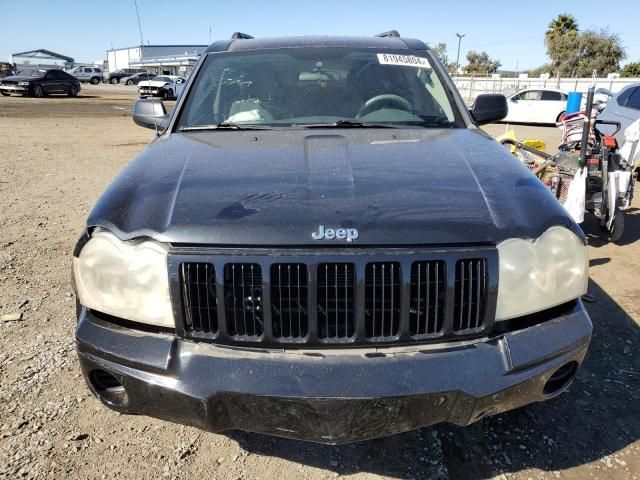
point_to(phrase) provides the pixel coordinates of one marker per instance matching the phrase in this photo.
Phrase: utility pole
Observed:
(458, 56)
(139, 25)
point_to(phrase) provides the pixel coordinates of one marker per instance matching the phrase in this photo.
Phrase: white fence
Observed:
(471, 87)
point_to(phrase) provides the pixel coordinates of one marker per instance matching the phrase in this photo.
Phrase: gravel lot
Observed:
(56, 157)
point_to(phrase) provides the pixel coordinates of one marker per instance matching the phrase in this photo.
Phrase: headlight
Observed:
(23, 84)
(125, 279)
(540, 274)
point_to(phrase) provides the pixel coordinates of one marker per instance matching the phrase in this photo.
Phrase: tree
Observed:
(480, 63)
(578, 55)
(440, 50)
(631, 70)
(563, 24)
(536, 72)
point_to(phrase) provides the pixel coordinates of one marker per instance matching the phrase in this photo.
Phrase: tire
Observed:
(129, 82)
(559, 117)
(38, 92)
(114, 80)
(617, 228)
(167, 94)
(73, 91)
(94, 81)
(5, 94)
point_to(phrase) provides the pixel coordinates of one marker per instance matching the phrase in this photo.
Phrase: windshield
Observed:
(163, 79)
(31, 73)
(318, 86)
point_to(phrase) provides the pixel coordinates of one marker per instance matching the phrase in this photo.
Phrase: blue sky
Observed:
(511, 31)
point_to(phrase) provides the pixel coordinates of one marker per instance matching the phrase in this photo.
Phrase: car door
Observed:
(550, 106)
(521, 106)
(50, 82)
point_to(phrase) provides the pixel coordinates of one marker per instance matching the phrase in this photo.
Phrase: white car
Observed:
(166, 86)
(536, 106)
(624, 107)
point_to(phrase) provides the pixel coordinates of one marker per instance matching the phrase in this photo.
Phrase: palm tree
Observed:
(563, 24)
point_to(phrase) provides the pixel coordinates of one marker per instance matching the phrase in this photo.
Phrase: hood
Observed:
(18, 78)
(152, 83)
(275, 188)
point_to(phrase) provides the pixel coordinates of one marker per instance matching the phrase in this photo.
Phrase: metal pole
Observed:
(458, 56)
(587, 128)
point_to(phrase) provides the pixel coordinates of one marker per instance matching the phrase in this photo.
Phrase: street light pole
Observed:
(458, 57)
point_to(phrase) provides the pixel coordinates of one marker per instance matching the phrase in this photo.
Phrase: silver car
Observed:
(624, 107)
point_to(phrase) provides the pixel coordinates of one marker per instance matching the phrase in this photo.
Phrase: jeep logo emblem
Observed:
(348, 234)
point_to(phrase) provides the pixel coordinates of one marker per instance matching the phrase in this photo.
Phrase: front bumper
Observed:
(14, 89)
(337, 396)
(146, 91)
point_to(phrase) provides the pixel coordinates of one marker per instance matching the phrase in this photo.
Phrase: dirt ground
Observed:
(56, 157)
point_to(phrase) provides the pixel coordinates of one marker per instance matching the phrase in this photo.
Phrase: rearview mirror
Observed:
(149, 113)
(489, 107)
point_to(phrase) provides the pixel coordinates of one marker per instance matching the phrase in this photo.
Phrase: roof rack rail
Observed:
(241, 36)
(390, 33)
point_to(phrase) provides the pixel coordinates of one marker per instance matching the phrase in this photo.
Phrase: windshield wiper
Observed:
(223, 126)
(348, 124)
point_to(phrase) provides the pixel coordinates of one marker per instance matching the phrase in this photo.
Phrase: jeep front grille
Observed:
(289, 300)
(382, 296)
(243, 299)
(428, 296)
(470, 291)
(368, 298)
(199, 297)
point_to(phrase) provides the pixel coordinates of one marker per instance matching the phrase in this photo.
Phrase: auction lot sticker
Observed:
(404, 60)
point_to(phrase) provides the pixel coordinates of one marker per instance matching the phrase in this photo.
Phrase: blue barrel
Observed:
(573, 102)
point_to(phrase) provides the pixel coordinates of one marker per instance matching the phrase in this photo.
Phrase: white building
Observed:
(164, 59)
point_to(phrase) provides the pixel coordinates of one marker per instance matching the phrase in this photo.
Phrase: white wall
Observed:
(471, 87)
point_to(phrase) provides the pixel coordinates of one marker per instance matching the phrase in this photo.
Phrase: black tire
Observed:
(5, 94)
(73, 91)
(617, 227)
(167, 94)
(114, 80)
(38, 92)
(94, 80)
(129, 82)
(559, 117)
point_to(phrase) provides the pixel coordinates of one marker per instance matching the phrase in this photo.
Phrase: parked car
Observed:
(322, 244)
(624, 107)
(137, 78)
(536, 106)
(166, 86)
(39, 83)
(116, 76)
(6, 69)
(93, 75)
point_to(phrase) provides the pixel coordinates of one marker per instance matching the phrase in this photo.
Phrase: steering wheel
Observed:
(380, 101)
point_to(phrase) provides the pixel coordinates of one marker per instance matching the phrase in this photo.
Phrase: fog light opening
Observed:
(108, 388)
(561, 379)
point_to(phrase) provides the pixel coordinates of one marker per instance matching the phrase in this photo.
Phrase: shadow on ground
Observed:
(599, 415)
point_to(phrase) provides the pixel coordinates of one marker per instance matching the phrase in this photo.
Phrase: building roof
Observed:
(43, 54)
(242, 44)
(156, 46)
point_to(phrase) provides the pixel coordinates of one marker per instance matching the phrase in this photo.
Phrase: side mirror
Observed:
(149, 113)
(489, 107)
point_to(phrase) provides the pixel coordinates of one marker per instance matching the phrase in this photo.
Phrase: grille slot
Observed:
(335, 302)
(470, 294)
(243, 299)
(289, 300)
(428, 297)
(382, 300)
(199, 297)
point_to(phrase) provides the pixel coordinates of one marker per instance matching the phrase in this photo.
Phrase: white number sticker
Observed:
(404, 60)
